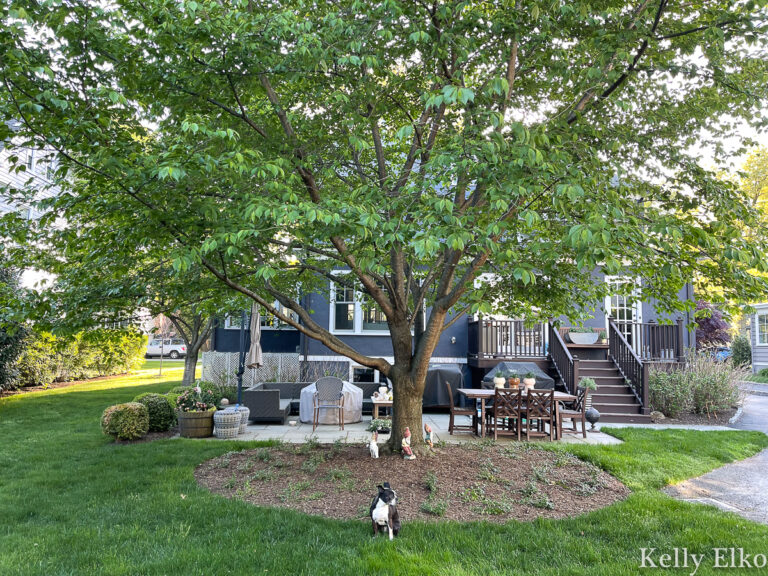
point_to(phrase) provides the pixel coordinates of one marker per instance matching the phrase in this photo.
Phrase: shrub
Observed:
(742, 351)
(715, 385)
(115, 351)
(12, 334)
(711, 328)
(763, 373)
(196, 399)
(160, 411)
(178, 390)
(669, 391)
(702, 386)
(37, 364)
(219, 391)
(128, 421)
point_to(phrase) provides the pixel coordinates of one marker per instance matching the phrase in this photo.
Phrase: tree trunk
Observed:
(407, 399)
(190, 364)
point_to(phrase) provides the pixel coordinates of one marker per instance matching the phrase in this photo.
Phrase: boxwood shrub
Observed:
(129, 421)
(161, 414)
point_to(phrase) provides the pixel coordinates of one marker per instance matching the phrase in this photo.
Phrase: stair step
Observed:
(598, 398)
(608, 380)
(612, 389)
(613, 408)
(596, 364)
(614, 418)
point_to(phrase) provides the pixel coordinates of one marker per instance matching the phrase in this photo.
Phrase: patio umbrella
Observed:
(254, 352)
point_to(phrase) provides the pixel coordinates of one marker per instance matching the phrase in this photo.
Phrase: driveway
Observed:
(741, 487)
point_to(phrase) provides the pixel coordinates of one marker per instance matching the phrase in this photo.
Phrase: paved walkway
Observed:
(357, 433)
(741, 487)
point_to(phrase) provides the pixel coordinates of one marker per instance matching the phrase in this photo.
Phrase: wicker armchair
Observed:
(329, 394)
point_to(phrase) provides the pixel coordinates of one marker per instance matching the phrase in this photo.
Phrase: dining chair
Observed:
(328, 395)
(507, 412)
(456, 411)
(540, 410)
(576, 413)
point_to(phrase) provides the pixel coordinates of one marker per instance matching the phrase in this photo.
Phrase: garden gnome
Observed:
(373, 445)
(406, 445)
(428, 435)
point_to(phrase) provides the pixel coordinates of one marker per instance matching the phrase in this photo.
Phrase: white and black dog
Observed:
(384, 511)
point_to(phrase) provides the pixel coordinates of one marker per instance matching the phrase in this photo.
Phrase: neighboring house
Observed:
(637, 337)
(758, 335)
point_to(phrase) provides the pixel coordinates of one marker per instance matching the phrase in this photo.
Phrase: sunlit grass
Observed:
(72, 502)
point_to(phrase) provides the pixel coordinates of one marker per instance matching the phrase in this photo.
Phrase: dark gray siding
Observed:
(285, 340)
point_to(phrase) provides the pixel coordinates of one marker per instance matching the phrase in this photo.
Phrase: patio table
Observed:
(379, 404)
(484, 394)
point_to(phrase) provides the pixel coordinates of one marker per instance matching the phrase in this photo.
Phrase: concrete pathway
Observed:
(741, 487)
(357, 433)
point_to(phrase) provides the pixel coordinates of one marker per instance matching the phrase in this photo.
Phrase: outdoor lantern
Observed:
(592, 416)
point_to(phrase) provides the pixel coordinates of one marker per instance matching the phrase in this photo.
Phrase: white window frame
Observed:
(637, 305)
(757, 329)
(358, 314)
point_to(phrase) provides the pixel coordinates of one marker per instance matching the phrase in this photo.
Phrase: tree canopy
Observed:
(416, 145)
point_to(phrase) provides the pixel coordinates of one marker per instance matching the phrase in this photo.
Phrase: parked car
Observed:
(721, 353)
(171, 347)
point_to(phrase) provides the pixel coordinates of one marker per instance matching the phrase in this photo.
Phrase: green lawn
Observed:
(758, 378)
(71, 502)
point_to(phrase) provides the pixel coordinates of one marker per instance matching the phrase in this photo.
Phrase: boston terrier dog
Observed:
(384, 511)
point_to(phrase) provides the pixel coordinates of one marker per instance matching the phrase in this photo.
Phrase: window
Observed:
(344, 308)
(268, 321)
(352, 312)
(761, 327)
(30, 159)
(232, 322)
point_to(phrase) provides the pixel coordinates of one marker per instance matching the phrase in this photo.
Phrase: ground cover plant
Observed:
(74, 502)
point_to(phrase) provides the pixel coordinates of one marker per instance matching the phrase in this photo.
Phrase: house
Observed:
(758, 336)
(636, 337)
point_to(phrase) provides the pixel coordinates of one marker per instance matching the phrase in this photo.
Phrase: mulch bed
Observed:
(719, 419)
(457, 482)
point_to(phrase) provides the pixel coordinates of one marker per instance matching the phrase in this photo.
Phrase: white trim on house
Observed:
(229, 326)
(357, 320)
(758, 343)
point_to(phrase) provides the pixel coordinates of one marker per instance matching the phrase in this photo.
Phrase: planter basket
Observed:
(583, 337)
(227, 423)
(195, 424)
(245, 414)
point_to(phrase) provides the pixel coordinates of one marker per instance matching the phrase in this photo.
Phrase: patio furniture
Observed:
(540, 410)
(328, 395)
(352, 411)
(438, 375)
(266, 404)
(456, 411)
(379, 404)
(484, 394)
(577, 412)
(507, 412)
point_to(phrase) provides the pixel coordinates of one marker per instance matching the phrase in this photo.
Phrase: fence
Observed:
(221, 368)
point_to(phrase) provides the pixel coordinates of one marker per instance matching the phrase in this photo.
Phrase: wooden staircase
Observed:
(614, 399)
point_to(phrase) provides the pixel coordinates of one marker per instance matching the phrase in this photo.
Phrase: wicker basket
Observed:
(245, 413)
(227, 423)
(195, 424)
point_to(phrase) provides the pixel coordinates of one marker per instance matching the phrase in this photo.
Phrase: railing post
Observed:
(679, 353)
(644, 390)
(575, 382)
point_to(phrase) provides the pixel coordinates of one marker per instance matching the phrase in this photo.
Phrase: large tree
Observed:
(414, 145)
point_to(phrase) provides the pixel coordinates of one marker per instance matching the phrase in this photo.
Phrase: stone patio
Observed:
(357, 433)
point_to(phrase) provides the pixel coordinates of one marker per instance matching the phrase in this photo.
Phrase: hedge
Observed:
(129, 421)
(161, 414)
(98, 352)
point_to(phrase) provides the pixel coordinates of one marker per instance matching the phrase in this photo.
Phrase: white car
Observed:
(171, 347)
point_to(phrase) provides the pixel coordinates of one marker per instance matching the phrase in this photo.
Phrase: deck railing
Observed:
(631, 366)
(506, 339)
(655, 342)
(566, 365)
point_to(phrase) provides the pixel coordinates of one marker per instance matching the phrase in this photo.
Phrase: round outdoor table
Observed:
(353, 406)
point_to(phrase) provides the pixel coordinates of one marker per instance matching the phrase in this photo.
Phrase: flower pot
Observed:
(583, 337)
(196, 424)
(529, 383)
(227, 423)
(514, 383)
(499, 381)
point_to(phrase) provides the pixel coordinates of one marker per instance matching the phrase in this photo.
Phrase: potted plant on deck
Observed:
(529, 380)
(583, 335)
(513, 380)
(603, 337)
(195, 413)
(499, 380)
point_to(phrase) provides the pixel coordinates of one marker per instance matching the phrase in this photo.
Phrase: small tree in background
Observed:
(742, 351)
(711, 328)
(12, 334)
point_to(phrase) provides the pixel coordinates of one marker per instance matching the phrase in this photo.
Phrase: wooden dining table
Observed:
(484, 394)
